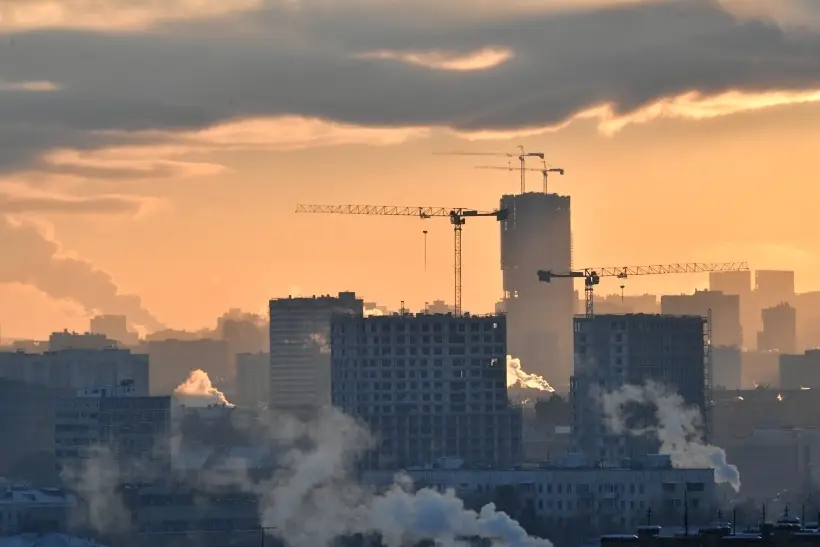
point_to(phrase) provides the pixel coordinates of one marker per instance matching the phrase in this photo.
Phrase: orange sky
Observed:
(223, 233)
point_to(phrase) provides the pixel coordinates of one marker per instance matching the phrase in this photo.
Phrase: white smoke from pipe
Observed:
(313, 500)
(518, 376)
(677, 429)
(197, 390)
(373, 312)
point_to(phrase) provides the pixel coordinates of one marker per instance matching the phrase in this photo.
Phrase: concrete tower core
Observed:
(537, 235)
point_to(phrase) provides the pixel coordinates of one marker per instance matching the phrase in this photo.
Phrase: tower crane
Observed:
(592, 276)
(545, 170)
(457, 216)
(521, 155)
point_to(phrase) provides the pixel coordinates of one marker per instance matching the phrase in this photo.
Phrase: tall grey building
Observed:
(537, 235)
(616, 350)
(300, 349)
(429, 386)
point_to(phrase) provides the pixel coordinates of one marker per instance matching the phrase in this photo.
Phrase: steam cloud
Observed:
(197, 390)
(677, 429)
(517, 375)
(312, 500)
(320, 340)
(373, 312)
(31, 258)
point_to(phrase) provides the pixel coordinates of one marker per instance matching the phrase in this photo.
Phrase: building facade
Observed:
(779, 329)
(601, 498)
(617, 350)
(537, 235)
(300, 349)
(723, 310)
(800, 371)
(252, 379)
(76, 369)
(428, 386)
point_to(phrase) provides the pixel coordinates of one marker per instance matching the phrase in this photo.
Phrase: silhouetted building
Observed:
(27, 430)
(725, 313)
(428, 386)
(114, 327)
(252, 379)
(773, 287)
(537, 235)
(72, 340)
(616, 350)
(800, 371)
(133, 432)
(779, 329)
(173, 360)
(75, 369)
(726, 368)
(739, 283)
(300, 349)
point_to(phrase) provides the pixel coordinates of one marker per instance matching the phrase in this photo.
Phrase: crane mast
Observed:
(545, 171)
(457, 216)
(592, 276)
(521, 155)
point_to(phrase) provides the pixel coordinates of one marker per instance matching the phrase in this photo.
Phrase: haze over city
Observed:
(384, 273)
(166, 144)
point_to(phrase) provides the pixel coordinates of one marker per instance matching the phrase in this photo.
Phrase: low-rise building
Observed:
(27, 509)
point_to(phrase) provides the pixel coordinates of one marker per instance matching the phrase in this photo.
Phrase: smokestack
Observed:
(33, 259)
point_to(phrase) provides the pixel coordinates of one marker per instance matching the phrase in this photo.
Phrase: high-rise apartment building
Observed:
(724, 309)
(252, 380)
(537, 236)
(300, 349)
(774, 287)
(779, 329)
(616, 350)
(428, 386)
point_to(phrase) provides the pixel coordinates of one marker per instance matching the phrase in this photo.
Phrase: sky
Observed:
(152, 152)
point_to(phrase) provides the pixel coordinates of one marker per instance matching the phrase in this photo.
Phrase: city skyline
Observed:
(181, 185)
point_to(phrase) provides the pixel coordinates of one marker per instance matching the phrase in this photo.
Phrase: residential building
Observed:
(537, 235)
(114, 327)
(27, 427)
(133, 431)
(726, 368)
(26, 509)
(300, 349)
(73, 340)
(617, 350)
(779, 329)
(595, 497)
(74, 369)
(252, 379)
(800, 371)
(428, 386)
(722, 309)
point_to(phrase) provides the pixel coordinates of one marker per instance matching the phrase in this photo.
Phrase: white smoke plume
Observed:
(518, 376)
(314, 500)
(197, 390)
(677, 429)
(373, 312)
(321, 341)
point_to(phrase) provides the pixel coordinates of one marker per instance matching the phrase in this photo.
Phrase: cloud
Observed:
(482, 59)
(16, 199)
(27, 86)
(32, 258)
(283, 75)
(110, 15)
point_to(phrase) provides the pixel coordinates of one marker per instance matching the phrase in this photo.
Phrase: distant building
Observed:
(27, 427)
(134, 431)
(723, 308)
(739, 283)
(428, 386)
(773, 287)
(173, 360)
(114, 327)
(800, 371)
(616, 350)
(537, 235)
(26, 509)
(726, 368)
(73, 369)
(779, 329)
(253, 379)
(759, 368)
(594, 497)
(300, 349)
(59, 341)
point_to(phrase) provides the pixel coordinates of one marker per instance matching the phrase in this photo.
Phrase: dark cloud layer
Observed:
(275, 61)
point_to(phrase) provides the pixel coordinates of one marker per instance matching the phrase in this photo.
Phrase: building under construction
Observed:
(537, 235)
